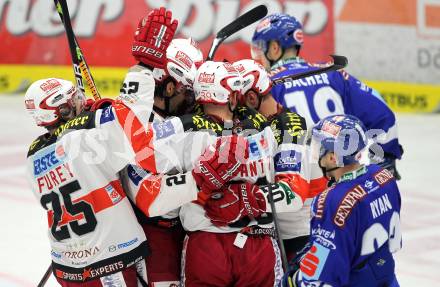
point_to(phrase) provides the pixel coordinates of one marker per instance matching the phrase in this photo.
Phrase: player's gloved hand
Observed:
(153, 36)
(294, 265)
(88, 105)
(92, 105)
(220, 162)
(390, 164)
(235, 202)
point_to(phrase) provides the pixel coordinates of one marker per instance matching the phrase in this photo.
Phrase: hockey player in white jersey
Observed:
(250, 258)
(292, 169)
(73, 169)
(155, 205)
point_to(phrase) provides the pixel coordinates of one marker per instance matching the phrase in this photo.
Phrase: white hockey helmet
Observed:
(183, 59)
(215, 82)
(48, 100)
(255, 77)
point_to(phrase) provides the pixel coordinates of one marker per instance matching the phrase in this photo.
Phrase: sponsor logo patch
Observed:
(331, 128)
(45, 160)
(347, 204)
(114, 196)
(288, 161)
(314, 261)
(206, 78)
(383, 176)
(184, 59)
(107, 115)
(324, 237)
(321, 202)
(136, 174)
(163, 129)
(49, 85)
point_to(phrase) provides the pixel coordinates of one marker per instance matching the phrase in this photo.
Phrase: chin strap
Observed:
(325, 171)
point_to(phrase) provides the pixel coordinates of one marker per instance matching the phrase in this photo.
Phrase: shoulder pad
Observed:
(85, 120)
(288, 127)
(40, 143)
(193, 122)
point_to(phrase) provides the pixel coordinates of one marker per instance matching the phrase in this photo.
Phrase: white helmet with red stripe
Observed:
(183, 59)
(255, 77)
(49, 100)
(215, 83)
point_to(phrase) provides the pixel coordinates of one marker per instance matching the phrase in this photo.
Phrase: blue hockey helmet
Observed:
(279, 27)
(342, 134)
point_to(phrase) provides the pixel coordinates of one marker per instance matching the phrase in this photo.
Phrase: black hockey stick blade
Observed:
(339, 62)
(241, 22)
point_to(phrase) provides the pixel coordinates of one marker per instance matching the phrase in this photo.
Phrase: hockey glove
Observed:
(295, 264)
(220, 162)
(235, 202)
(152, 38)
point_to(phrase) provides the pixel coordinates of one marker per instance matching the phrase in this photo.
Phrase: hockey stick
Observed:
(45, 277)
(78, 60)
(339, 62)
(275, 218)
(241, 22)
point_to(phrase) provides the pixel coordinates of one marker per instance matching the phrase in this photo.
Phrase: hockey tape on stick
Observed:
(339, 62)
(80, 67)
(241, 22)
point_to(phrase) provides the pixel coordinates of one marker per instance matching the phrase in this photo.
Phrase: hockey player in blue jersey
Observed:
(276, 43)
(355, 225)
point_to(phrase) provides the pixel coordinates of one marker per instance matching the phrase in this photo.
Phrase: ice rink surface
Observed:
(24, 247)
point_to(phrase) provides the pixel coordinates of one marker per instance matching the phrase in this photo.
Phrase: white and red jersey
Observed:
(74, 174)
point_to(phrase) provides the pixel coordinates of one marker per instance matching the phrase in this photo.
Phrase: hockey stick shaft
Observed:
(80, 66)
(45, 277)
(241, 22)
(275, 217)
(339, 62)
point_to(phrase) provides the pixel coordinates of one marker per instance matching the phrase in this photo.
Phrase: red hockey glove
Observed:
(221, 162)
(92, 105)
(235, 202)
(152, 38)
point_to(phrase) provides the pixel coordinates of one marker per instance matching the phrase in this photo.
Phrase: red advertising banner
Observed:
(32, 34)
